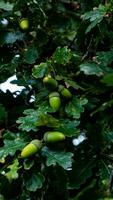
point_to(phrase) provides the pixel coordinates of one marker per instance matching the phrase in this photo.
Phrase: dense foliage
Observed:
(56, 135)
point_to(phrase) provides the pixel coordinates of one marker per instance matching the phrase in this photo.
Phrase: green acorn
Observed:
(53, 136)
(50, 82)
(32, 148)
(55, 101)
(24, 23)
(65, 92)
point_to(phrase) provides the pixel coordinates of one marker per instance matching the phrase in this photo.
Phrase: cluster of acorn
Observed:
(55, 102)
(54, 97)
(35, 145)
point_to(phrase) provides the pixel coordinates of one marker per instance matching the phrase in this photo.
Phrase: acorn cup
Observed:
(53, 136)
(55, 101)
(24, 23)
(65, 92)
(32, 148)
(50, 82)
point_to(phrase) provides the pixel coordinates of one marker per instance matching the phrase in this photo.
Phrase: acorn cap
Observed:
(65, 92)
(46, 78)
(50, 82)
(61, 87)
(22, 19)
(54, 94)
(37, 143)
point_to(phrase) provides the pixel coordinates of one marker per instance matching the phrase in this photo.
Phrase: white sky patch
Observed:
(32, 99)
(79, 140)
(14, 87)
(9, 86)
(4, 22)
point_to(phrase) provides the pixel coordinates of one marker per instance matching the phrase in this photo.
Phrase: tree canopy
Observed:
(56, 135)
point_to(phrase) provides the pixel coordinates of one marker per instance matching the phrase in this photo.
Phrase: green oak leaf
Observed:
(62, 55)
(12, 143)
(91, 69)
(68, 127)
(62, 158)
(39, 71)
(34, 181)
(13, 170)
(75, 107)
(81, 171)
(30, 55)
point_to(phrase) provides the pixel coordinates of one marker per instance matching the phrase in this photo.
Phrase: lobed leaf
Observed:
(75, 107)
(91, 69)
(13, 170)
(12, 143)
(62, 158)
(62, 55)
(6, 6)
(30, 55)
(39, 70)
(81, 171)
(34, 181)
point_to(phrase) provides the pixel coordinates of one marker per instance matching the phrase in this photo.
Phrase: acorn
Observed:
(24, 23)
(50, 82)
(53, 136)
(55, 101)
(32, 148)
(65, 92)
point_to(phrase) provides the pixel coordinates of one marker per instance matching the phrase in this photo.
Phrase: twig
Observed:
(106, 2)
(85, 55)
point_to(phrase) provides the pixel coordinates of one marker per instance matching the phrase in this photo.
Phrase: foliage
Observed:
(72, 42)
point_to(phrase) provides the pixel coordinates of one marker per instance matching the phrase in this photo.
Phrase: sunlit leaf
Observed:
(6, 6)
(39, 70)
(13, 170)
(62, 55)
(91, 69)
(95, 16)
(27, 123)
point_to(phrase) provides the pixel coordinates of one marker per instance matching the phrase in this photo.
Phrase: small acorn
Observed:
(32, 148)
(50, 82)
(53, 136)
(55, 101)
(65, 92)
(24, 23)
